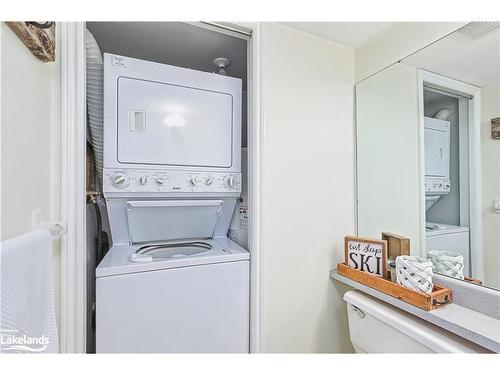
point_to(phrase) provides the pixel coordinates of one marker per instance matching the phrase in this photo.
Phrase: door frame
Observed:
(475, 194)
(73, 201)
(255, 145)
(72, 330)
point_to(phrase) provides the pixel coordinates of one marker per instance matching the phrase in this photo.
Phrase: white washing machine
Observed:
(446, 237)
(172, 281)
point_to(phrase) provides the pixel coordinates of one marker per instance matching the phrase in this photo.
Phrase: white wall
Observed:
(398, 42)
(388, 155)
(490, 162)
(308, 189)
(29, 141)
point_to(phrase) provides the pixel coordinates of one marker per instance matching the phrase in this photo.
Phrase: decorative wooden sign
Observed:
(495, 128)
(366, 255)
(396, 245)
(39, 39)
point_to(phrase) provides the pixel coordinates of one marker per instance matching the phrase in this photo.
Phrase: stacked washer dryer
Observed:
(172, 281)
(440, 236)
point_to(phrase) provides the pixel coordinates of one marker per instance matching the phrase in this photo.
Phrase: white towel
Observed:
(27, 319)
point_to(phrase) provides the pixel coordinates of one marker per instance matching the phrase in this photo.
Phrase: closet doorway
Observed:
(75, 279)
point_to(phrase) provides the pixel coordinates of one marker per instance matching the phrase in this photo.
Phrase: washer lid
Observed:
(172, 220)
(440, 228)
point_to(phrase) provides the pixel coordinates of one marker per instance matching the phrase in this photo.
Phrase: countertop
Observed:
(474, 326)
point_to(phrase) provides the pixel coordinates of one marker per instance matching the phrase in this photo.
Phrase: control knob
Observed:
(194, 180)
(120, 180)
(209, 181)
(160, 181)
(143, 180)
(230, 182)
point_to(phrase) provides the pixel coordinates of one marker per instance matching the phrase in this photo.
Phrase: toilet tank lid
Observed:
(430, 335)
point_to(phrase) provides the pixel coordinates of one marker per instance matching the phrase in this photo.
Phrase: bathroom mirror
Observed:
(428, 153)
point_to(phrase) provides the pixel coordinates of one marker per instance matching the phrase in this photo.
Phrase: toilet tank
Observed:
(377, 327)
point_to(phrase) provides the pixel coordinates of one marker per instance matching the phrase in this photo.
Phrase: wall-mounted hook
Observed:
(56, 228)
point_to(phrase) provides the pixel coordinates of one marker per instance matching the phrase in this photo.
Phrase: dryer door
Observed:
(437, 148)
(171, 125)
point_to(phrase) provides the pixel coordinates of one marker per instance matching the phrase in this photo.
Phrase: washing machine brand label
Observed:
(243, 217)
(119, 61)
(11, 340)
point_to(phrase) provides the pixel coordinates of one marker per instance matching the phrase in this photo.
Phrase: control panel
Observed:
(437, 186)
(138, 181)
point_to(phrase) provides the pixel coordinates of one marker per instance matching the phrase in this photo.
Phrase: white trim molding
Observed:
(73, 138)
(256, 157)
(475, 195)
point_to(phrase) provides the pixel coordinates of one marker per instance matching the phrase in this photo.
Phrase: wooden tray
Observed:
(471, 280)
(440, 295)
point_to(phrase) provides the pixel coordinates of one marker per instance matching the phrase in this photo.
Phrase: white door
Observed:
(437, 148)
(164, 124)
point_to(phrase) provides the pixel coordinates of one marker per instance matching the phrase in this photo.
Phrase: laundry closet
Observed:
(167, 166)
(446, 143)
